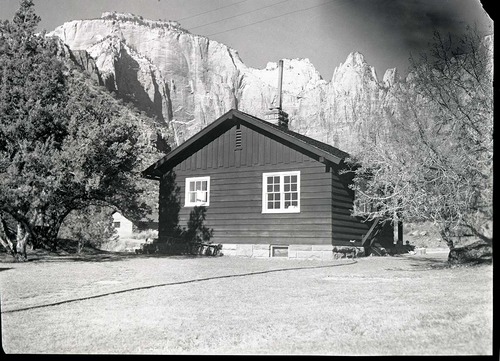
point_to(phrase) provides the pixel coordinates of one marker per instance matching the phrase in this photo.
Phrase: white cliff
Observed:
(188, 81)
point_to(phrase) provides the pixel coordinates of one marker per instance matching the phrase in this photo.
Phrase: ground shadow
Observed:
(420, 263)
(105, 256)
(80, 258)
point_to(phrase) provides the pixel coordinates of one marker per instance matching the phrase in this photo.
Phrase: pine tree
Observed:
(65, 143)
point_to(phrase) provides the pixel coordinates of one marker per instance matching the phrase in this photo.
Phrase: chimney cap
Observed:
(277, 117)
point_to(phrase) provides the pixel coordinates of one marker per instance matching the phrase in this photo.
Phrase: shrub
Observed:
(197, 231)
(90, 226)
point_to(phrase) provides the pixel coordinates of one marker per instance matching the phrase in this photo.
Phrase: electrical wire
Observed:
(271, 18)
(234, 16)
(209, 11)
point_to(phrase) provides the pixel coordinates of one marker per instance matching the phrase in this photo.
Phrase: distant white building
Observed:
(123, 226)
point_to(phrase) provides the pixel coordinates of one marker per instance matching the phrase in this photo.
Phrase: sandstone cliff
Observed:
(187, 81)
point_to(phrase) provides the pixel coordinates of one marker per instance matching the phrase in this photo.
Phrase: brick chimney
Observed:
(276, 115)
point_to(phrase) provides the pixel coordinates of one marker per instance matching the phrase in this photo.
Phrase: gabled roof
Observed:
(324, 152)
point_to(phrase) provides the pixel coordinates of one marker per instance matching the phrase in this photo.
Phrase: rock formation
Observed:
(187, 81)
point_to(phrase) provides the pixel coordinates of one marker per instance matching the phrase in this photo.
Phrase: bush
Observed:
(194, 240)
(148, 234)
(197, 231)
(90, 226)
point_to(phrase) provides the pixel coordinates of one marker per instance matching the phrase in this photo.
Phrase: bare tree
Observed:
(436, 164)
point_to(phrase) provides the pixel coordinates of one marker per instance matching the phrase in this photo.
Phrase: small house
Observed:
(126, 228)
(122, 225)
(267, 191)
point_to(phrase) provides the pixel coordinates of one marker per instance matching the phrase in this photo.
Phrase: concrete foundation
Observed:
(295, 251)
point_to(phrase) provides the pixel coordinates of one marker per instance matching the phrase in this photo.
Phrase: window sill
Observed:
(278, 211)
(192, 205)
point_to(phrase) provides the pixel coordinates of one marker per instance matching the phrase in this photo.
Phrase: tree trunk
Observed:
(5, 239)
(81, 244)
(7, 245)
(21, 241)
(481, 235)
(445, 235)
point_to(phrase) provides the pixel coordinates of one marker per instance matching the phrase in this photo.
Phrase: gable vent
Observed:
(238, 138)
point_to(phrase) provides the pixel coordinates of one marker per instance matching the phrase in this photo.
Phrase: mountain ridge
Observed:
(187, 81)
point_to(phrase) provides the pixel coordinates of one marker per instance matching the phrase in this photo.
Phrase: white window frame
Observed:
(187, 202)
(282, 192)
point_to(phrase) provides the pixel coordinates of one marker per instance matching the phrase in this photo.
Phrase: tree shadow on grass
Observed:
(72, 258)
(104, 256)
(124, 256)
(446, 261)
(421, 263)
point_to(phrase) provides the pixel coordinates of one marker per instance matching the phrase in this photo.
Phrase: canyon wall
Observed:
(187, 81)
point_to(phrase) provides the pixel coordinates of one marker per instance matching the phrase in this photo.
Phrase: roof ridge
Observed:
(295, 134)
(322, 150)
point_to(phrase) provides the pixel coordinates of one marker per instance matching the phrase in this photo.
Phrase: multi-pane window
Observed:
(281, 192)
(197, 191)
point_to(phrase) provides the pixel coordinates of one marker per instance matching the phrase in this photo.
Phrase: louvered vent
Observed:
(238, 138)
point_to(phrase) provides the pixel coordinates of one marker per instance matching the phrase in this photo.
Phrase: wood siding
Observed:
(344, 226)
(235, 211)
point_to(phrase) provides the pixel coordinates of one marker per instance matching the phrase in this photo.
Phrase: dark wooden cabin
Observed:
(261, 184)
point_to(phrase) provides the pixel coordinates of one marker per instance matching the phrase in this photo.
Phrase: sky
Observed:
(324, 31)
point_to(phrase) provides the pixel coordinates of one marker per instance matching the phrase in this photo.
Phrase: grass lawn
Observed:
(405, 305)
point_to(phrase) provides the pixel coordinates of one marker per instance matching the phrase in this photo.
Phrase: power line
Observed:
(234, 16)
(209, 11)
(271, 18)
